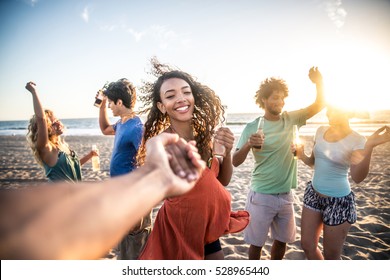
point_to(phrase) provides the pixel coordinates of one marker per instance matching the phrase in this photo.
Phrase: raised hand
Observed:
(381, 136)
(31, 87)
(315, 75)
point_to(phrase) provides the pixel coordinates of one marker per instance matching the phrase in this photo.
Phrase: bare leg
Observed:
(278, 250)
(254, 252)
(334, 237)
(311, 227)
(215, 256)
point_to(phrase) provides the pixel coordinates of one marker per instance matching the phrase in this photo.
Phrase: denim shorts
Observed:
(334, 210)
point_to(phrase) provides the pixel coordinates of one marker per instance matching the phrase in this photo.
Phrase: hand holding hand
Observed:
(180, 162)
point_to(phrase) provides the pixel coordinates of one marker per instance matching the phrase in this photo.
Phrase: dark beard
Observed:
(273, 112)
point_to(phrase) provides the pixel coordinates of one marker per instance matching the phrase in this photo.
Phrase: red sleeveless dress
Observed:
(185, 224)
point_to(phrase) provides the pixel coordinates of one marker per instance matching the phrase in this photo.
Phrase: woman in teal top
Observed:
(50, 150)
(329, 203)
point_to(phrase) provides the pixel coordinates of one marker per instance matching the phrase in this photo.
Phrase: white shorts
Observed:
(275, 211)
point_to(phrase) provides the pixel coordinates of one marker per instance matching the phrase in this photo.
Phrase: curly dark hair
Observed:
(207, 110)
(267, 87)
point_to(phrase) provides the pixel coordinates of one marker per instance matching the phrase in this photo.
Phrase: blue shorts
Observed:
(334, 210)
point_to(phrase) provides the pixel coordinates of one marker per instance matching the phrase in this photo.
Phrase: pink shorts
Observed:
(270, 211)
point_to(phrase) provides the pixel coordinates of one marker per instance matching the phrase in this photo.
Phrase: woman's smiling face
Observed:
(177, 99)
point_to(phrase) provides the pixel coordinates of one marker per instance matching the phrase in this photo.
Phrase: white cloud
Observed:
(31, 2)
(336, 13)
(163, 36)
(85, 15)
(137, 35)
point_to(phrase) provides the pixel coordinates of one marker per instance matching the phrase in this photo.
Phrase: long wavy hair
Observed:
(32, 134)
(207, 110)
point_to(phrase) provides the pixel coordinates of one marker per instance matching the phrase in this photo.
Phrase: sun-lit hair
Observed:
(207, 109)
(267, 87)
(32, 134)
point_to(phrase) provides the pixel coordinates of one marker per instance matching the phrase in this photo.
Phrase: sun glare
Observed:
(356, 79)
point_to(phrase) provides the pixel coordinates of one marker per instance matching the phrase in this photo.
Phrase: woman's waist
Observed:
(332, 188)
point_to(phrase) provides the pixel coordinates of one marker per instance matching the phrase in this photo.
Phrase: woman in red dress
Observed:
(189, 226)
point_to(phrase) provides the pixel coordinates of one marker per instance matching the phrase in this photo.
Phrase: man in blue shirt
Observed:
(121, 97)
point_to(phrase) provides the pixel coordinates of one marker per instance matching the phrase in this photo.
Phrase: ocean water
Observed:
(235, 121)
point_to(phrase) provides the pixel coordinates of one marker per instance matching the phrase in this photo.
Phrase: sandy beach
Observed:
(369, 237)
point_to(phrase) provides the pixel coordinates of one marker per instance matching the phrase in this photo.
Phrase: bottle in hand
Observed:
(95, 160)
(260, 128)
(296, 140)
(219, 150)
(99, 99)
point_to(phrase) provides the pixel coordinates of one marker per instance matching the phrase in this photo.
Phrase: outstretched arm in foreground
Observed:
(88, 219)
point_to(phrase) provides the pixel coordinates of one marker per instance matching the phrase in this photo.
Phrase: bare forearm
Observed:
(360, 160)
(240, 155)
(86, 158)
(226, 170)
(38, 109)
(309, 161)
(104, 122)
(319, 102)
(360, 170)
(42, 136)
(91, 220)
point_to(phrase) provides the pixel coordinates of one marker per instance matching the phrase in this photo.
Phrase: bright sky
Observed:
(71, 48)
